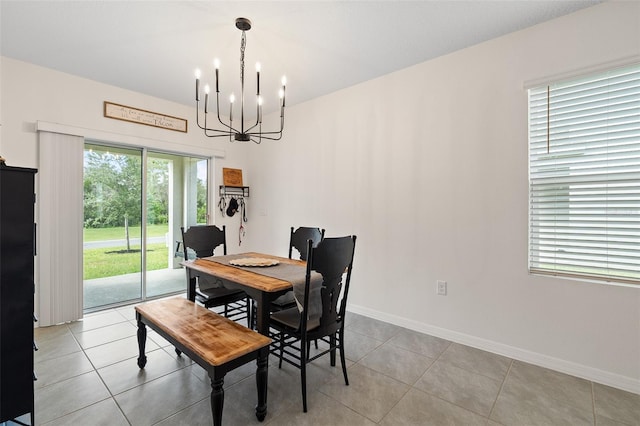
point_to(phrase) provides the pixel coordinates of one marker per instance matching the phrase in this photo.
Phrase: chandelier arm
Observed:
(258, 110)
(263, 135)
(198, 118)
(207, 129)
(210, 129)
(258, 119)
(275, 132)
(259, 123)
(267, 138)
(231, 129)
(249, 130)
(268, 133)
(216, 136)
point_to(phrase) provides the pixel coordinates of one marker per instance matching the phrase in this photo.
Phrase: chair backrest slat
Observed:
(203, 240)
(299, 238)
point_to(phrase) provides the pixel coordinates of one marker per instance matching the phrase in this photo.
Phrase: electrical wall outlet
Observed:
(441, 288)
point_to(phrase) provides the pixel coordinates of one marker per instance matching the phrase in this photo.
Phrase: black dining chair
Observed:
(323, 302)
(297, 240)
(202, 241)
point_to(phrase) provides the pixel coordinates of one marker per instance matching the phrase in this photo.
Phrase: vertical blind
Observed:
(584, 177)
(60, 219)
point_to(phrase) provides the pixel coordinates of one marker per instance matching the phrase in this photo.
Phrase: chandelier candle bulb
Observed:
(216, 65)
(197, 84)
(258, 81)
(284, 89)
(206, 98)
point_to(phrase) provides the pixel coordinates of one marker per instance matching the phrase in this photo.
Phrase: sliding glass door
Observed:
(176, 197)
(135, 202)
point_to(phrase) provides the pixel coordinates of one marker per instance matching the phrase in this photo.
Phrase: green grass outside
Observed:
(112, 261)
(103, 234)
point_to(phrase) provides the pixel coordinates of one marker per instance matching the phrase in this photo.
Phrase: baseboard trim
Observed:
(589, 373)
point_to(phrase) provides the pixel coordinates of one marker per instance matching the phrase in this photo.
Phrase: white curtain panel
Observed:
(59, 225)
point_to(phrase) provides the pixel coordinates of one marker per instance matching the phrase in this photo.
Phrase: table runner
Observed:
(295, 274)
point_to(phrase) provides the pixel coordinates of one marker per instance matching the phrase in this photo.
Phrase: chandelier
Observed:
(253, 133)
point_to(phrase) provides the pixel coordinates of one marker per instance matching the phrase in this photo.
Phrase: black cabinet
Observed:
(17, 250)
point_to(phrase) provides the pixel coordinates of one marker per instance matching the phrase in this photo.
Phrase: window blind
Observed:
(584, 177)
(60, 219)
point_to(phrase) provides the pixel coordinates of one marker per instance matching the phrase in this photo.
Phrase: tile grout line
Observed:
(493, 406)
(593, 403)
(364, 366)
(412, 387)
(93, 370)
(112, 396)
(487, 417)
(435, 360)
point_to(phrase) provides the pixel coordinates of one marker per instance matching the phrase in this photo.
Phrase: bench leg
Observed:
(261, 382)
(142, 340)
(217, 400)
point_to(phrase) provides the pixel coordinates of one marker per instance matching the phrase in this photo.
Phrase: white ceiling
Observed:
(153, 47)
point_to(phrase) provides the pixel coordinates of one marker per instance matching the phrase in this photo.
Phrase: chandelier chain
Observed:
(243, 44)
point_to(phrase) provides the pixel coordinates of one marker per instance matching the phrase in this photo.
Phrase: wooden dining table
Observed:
(253, 281)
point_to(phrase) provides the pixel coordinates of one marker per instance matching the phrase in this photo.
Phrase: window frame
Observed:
(576, 183)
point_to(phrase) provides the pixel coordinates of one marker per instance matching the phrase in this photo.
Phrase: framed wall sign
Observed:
(231, 177)
(141, 116)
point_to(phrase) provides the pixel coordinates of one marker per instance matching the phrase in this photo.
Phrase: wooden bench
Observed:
(214, 342)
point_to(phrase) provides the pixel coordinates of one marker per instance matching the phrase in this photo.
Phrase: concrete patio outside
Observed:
(110, 291)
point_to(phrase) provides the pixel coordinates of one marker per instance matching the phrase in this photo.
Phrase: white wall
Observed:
(428, 166)
(31, 94)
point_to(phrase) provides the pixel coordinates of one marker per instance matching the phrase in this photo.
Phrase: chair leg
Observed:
(249, 313)
(332, 352)
(254, 315)
(303, 373)
(281, 349)
(342, 357)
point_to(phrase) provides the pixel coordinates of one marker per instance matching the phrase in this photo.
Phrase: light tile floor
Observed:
(87, 375)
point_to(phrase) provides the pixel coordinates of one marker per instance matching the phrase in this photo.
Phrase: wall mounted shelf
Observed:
(234, 191)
